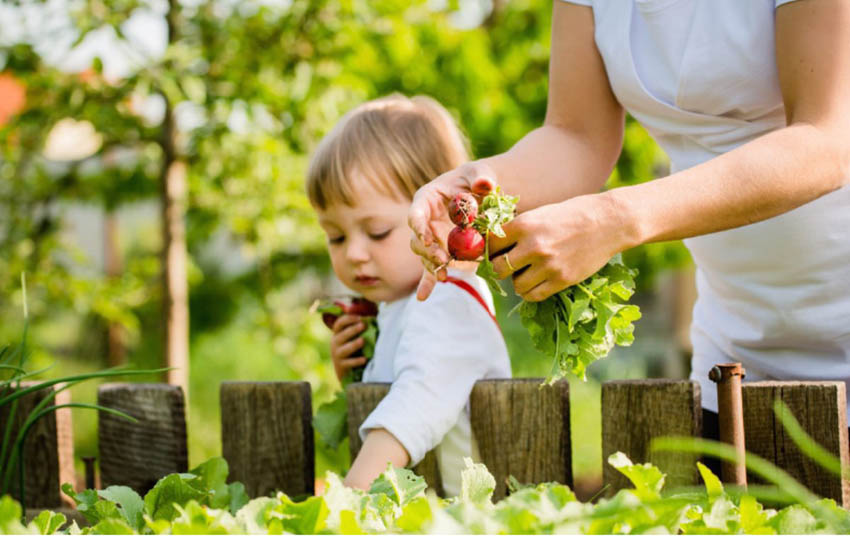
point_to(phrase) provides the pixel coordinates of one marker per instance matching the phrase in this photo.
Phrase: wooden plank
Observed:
(48, 449)
(636, 411)
(267, 436)
(522, 428)
(362, 399)
(821, 409)
(139, 454)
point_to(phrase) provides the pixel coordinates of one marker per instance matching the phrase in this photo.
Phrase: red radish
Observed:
(463, 209)
(358, 306)
(465, 244)
(361, 307)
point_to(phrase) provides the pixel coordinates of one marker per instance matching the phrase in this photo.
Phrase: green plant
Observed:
(579, 324)
(13, 360)
(398, 501)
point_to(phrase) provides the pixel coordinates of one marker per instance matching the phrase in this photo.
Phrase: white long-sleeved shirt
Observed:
(433, 352)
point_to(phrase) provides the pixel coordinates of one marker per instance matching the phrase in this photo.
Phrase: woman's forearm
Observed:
(761, 179)
(551, 164)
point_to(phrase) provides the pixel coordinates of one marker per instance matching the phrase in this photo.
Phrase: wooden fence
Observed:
(522, 430)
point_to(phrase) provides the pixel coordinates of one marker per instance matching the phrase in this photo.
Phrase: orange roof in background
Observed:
(13, 96)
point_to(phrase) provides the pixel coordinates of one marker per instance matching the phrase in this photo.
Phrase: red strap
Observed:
(469, 288)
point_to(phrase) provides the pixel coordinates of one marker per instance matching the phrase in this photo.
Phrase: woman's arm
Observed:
(572, 153)
(380, 448)
(575, 150)
(562, 244)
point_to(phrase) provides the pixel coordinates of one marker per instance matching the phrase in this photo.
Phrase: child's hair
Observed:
(398, 143)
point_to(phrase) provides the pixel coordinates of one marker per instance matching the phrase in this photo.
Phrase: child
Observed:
(361, 181)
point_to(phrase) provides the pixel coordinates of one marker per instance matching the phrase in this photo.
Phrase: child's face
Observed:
(369, 245)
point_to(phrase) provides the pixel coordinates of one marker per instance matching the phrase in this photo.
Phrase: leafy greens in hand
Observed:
(578, 325)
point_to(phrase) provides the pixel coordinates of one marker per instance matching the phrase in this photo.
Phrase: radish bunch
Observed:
(465, 242)
(331, 418)
(354, 306)
(474, 221)
(577, 325)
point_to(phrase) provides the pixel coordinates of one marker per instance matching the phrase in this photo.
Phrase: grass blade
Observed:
(806, 443)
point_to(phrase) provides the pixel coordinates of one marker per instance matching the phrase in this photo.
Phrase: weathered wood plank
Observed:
(820, 407)
(48, 448)
(636, 411)
(522, 428)
(138, 454)
(267, 436)
(362, 399)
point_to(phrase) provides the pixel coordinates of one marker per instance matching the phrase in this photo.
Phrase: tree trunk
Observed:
(176, 295)
(175, 300)
(116, 349)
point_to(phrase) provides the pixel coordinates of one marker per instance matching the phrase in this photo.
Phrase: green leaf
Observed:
(112, 525)
(794, 520)
(331, 420)
(47, 522)
(131, 504)
(238, 497)
(486, 271)
(252, 516)
(171, 489)
(399, 484)
(712, 484)
(477, 484)
(647, 479)
(307, 517)
(348, 523)
(753, 517)
(415, 516)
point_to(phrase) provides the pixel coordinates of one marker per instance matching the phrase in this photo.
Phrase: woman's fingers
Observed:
(542, 291)
(433, 271)
(426, 285)
(528, 279)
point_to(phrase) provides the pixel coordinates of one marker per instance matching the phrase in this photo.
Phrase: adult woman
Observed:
(751, 101)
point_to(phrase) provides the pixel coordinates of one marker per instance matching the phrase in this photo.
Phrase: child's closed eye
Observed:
(380, 236)
(336, 239)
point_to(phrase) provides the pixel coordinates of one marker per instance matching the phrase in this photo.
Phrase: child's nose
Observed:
(357, 251)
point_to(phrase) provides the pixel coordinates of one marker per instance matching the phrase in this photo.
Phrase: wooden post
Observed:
(522, 428)
(139, 454)
(636, 411)
(48, 449)
(362, 399)
(821, 409)
(267, 436)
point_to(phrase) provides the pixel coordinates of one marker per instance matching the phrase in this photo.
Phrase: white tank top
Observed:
(700, 76)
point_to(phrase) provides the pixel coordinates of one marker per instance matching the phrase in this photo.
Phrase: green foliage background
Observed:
(258, 84)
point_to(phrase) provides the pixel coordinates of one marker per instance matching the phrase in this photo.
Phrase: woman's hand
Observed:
(345, 343)
(429, 218)
(549, 248)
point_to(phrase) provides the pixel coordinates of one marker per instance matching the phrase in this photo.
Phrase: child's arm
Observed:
(379, 448)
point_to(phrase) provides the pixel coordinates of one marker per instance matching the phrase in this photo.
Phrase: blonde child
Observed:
(361, 181)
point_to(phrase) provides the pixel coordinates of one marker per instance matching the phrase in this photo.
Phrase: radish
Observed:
(465, 244)
(357, 306)
(463, 209)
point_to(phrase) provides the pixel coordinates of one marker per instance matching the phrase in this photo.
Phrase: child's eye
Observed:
(336, 240)
(380, 236)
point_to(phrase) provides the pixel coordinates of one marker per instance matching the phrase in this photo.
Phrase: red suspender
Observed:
(469, 288)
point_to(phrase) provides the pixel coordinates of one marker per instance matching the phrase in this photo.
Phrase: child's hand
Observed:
(345, 343)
